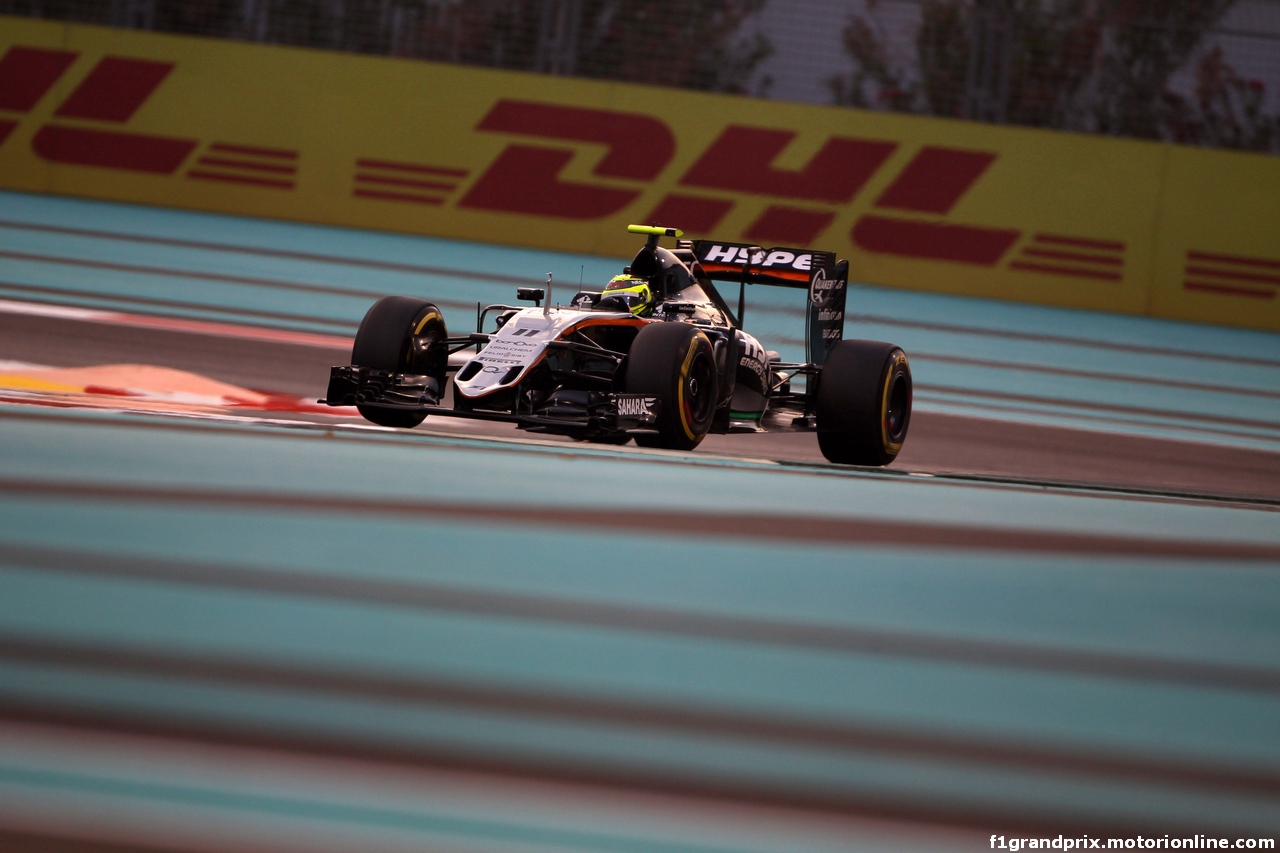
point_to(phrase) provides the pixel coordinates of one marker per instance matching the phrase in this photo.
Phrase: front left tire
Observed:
(401, 334)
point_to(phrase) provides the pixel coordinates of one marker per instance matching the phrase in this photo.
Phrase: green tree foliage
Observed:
(1099, 66)
(697, 45)
(943, 47)
(670, 42)
(665, 42)
(1153, 39)
(1227, 110)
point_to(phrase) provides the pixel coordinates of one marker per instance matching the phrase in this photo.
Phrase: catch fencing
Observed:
(1203, 73)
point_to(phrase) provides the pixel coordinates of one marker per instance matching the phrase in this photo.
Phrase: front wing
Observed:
(596, 412)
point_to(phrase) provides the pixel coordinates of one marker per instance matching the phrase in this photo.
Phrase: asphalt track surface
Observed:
(939, 442)
(224, 628)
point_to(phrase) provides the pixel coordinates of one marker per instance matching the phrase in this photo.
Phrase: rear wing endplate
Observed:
(820, 273)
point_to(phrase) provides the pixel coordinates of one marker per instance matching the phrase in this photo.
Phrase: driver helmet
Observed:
(634, 291)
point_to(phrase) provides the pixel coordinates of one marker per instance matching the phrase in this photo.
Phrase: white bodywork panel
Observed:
(523, 339)
(520, 343)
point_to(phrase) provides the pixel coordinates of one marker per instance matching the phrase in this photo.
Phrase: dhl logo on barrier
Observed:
(525, 179)
(109, 96)
(921, 203)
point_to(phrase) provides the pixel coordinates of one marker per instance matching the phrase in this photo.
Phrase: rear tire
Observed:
(403, 335)
(675, 362)
(864, 403)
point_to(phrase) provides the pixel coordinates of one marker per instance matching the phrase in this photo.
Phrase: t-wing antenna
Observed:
(646, 264)
(654, 232)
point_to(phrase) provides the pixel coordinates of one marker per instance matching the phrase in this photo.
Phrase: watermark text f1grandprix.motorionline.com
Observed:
(1138, 842)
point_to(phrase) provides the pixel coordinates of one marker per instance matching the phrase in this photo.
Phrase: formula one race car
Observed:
(657, 356)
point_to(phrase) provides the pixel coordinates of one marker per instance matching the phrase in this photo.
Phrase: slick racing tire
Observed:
(675, 363)
(403, 335)
(864, 403)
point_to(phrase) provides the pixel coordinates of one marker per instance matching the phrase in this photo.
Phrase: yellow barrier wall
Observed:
(913, 202)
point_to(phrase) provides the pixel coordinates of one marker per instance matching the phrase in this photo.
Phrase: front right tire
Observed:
(864, 403)
(675, 362)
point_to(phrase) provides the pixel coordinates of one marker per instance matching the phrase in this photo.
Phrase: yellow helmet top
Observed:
(634, 291)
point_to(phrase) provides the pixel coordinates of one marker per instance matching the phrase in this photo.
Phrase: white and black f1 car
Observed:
(657, 356)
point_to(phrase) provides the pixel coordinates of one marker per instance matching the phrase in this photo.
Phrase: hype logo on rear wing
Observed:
(778, 265)
(825, 278)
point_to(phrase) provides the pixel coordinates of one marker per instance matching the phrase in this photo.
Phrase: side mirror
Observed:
(530, 294)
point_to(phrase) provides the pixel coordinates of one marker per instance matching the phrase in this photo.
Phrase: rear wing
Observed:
(820, 273)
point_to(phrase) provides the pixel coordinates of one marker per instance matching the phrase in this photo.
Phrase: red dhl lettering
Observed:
(114, 89)
(112, 92)
(28, 73)
(935, 179)
(741, 160)
(525, 177)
